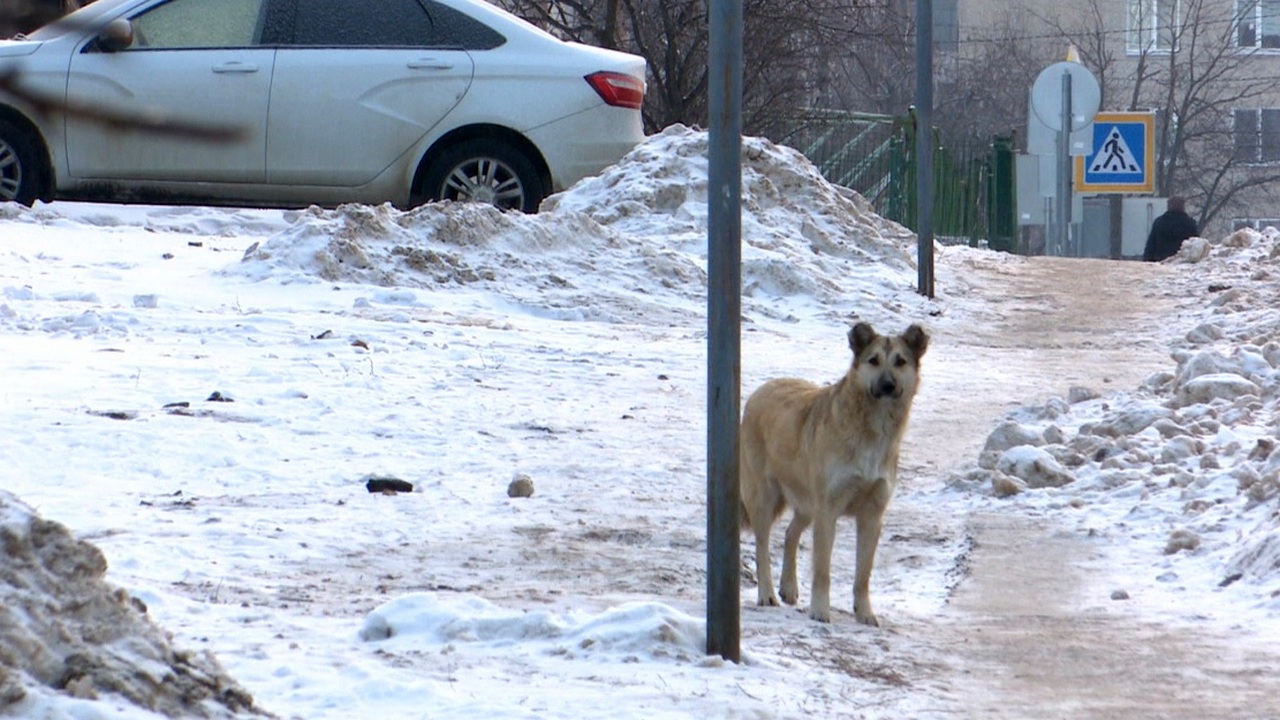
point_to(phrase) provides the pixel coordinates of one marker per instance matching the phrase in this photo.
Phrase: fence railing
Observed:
(974, 182)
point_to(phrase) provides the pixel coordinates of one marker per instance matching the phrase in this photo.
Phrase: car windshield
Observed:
(87, 16)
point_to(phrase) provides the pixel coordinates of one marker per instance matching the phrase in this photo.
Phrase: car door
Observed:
(194, 69)
(356, 87)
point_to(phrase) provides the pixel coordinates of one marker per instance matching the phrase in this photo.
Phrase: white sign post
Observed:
(1065, 97)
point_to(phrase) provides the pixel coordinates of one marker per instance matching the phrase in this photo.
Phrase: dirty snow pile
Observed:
(1192, 457)
(67, 638)
(627, 246)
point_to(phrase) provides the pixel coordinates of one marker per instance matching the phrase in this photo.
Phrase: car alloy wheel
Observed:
(22, 170)
(10, 172)
(486, 180)
(487, 170)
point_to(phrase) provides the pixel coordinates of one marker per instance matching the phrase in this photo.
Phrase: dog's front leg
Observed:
(824, 538)
(790, 586)
(870, 523)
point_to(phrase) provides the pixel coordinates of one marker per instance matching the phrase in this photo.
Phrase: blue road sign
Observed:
(1122, 155)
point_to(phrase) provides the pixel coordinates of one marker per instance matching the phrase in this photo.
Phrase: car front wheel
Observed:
(21, 171)
(488, 171)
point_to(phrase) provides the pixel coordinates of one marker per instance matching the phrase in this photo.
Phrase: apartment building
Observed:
(1210, 69)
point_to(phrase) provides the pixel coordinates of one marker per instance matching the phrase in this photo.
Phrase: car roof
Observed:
(500, 20)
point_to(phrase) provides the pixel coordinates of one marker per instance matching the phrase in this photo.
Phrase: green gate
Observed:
(974, 183)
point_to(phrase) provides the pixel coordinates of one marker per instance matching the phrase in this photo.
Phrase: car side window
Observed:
(188, 24)
(393, 23)
(456, 29)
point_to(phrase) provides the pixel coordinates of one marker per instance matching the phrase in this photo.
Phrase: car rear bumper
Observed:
(585, 143)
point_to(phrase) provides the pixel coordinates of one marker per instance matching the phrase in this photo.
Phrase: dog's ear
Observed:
(861, 336)
(917, 339)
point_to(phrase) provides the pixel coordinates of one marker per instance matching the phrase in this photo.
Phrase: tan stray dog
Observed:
(826, 452)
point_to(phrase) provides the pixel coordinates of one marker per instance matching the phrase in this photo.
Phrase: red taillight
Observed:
(617, 89)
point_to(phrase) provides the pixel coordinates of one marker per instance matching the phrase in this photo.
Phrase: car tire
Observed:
(485, 170)
(22, 170)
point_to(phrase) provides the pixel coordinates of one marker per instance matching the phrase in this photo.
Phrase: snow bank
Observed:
(638, 230)
(1193, 453)
(786, 203)
(64, 633)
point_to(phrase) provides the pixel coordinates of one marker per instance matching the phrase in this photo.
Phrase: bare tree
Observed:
(787, 48)
(23, 16)
(590, 21)
(980, 89)
(870, 64)
(984, 91)
(672, 38)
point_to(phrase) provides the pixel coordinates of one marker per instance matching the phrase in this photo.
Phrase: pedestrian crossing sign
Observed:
(1122, 155)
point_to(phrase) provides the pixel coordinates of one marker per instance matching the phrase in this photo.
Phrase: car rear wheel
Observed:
(21, 170)
(489, 171)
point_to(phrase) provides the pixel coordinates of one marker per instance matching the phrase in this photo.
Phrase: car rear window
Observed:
(394, 23)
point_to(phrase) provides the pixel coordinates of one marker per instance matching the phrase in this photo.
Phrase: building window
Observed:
(1257, 135)
(1152, 25)
(1258, 224)
(1258, 24)
(946, 26)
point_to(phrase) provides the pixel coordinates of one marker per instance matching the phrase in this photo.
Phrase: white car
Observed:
(295, 102)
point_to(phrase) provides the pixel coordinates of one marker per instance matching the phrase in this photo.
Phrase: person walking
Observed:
(1169, 230)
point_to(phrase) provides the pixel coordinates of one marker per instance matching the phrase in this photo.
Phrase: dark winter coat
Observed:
(1167, 233)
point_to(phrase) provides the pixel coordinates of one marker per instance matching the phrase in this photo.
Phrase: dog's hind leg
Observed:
(764, 572)
(790, 586)
(762, 503)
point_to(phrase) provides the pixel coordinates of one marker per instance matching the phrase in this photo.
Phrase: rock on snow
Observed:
(1033, 466)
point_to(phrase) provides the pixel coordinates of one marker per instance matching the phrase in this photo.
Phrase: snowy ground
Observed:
(203, 394)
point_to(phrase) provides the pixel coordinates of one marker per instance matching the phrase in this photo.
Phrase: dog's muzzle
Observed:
(886, 386)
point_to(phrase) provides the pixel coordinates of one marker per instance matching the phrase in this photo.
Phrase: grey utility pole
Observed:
(924, 146)
(724, 320)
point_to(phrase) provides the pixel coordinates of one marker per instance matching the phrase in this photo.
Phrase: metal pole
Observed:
(724, 320)
(1063, 233)
(924, 146)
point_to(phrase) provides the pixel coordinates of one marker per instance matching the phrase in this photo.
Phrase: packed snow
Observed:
(201, 402)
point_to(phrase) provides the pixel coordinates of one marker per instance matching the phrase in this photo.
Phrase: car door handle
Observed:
(235, 67)
(430, 64)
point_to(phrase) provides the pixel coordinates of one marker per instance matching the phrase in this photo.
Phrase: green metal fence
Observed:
(974, 183)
